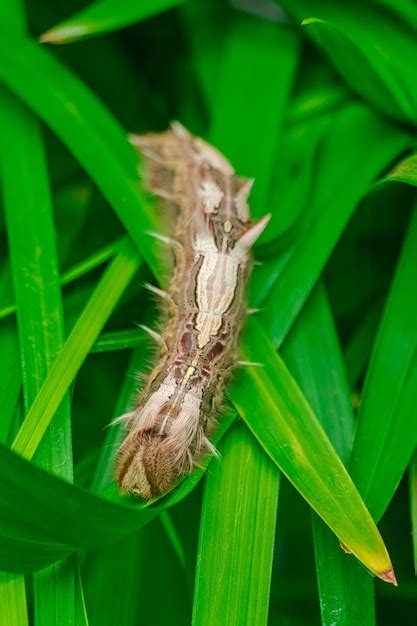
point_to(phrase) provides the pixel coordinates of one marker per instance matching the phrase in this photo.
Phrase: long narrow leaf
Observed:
(75, 349)
(103, 17)
(413, 506)
(237, 535)
(281, 419)
(374, 62)
(387, 434)
(39, 313)
(313, 354)
(87, 128)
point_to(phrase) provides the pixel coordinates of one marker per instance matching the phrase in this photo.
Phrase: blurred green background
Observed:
(318, 101)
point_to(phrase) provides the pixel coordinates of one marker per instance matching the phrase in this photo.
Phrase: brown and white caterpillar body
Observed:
(169, 429)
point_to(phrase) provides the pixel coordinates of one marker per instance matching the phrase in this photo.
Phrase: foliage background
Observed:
(315, 99)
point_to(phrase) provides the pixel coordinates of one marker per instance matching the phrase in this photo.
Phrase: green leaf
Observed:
(33, 255)
(405, 9)
(81, 617)
(313, 354)
(118, 340)
(61, 518)
(13, 607)
(249, 139)
(73, 273)
(375, 62)
(360, 344)
(39, 313)
(332, 205)
(76, 348)
(13, 600)
(413, 505)
(57, 518)
(89, 131)
(405, 171)
(103, 17)
(207, 25)
(386, 434)
(10, 379)
(276, 411)
(237, 535)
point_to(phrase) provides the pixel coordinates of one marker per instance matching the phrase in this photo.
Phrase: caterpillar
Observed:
(169, 429)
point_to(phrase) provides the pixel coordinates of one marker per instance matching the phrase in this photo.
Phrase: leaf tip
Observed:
(47, 37)
(311, 20)
(388, 576)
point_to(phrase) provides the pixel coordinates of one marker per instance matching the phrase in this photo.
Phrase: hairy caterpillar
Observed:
(169, 430)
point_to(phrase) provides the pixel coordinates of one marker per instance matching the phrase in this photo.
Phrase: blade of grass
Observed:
(359, 346)
(405, 171)
(112, 582)
(104, 17)
(319, 100)
(207, 25)
(294, 439)
(89, 131)
(173, 536)
(312, 250)
(256, 51)
(413, 505)
(31, 235)
(407, 10)
(389, 395)
(374, 62)
(12, 600)
(62, 518)
(34, 262)
(290, 195)
(237, 534)
(92, 262)
(75, 272)
(118, 340)
(313, 354)
(76, 348)
(124, 582)
(10, 378)
(81, 617)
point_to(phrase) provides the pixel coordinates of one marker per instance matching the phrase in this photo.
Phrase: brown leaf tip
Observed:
(388, 577)
(46, 37)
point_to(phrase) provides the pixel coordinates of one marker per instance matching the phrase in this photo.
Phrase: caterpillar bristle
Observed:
(154, 335)
(248, 364)
(156, 291)
(253, 311)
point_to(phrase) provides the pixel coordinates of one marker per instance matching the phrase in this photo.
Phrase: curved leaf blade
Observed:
(387, 433)
(89, 131)
(76, 348)
(104, 17)
(283, 422)
(374, 61)
(313, 354)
